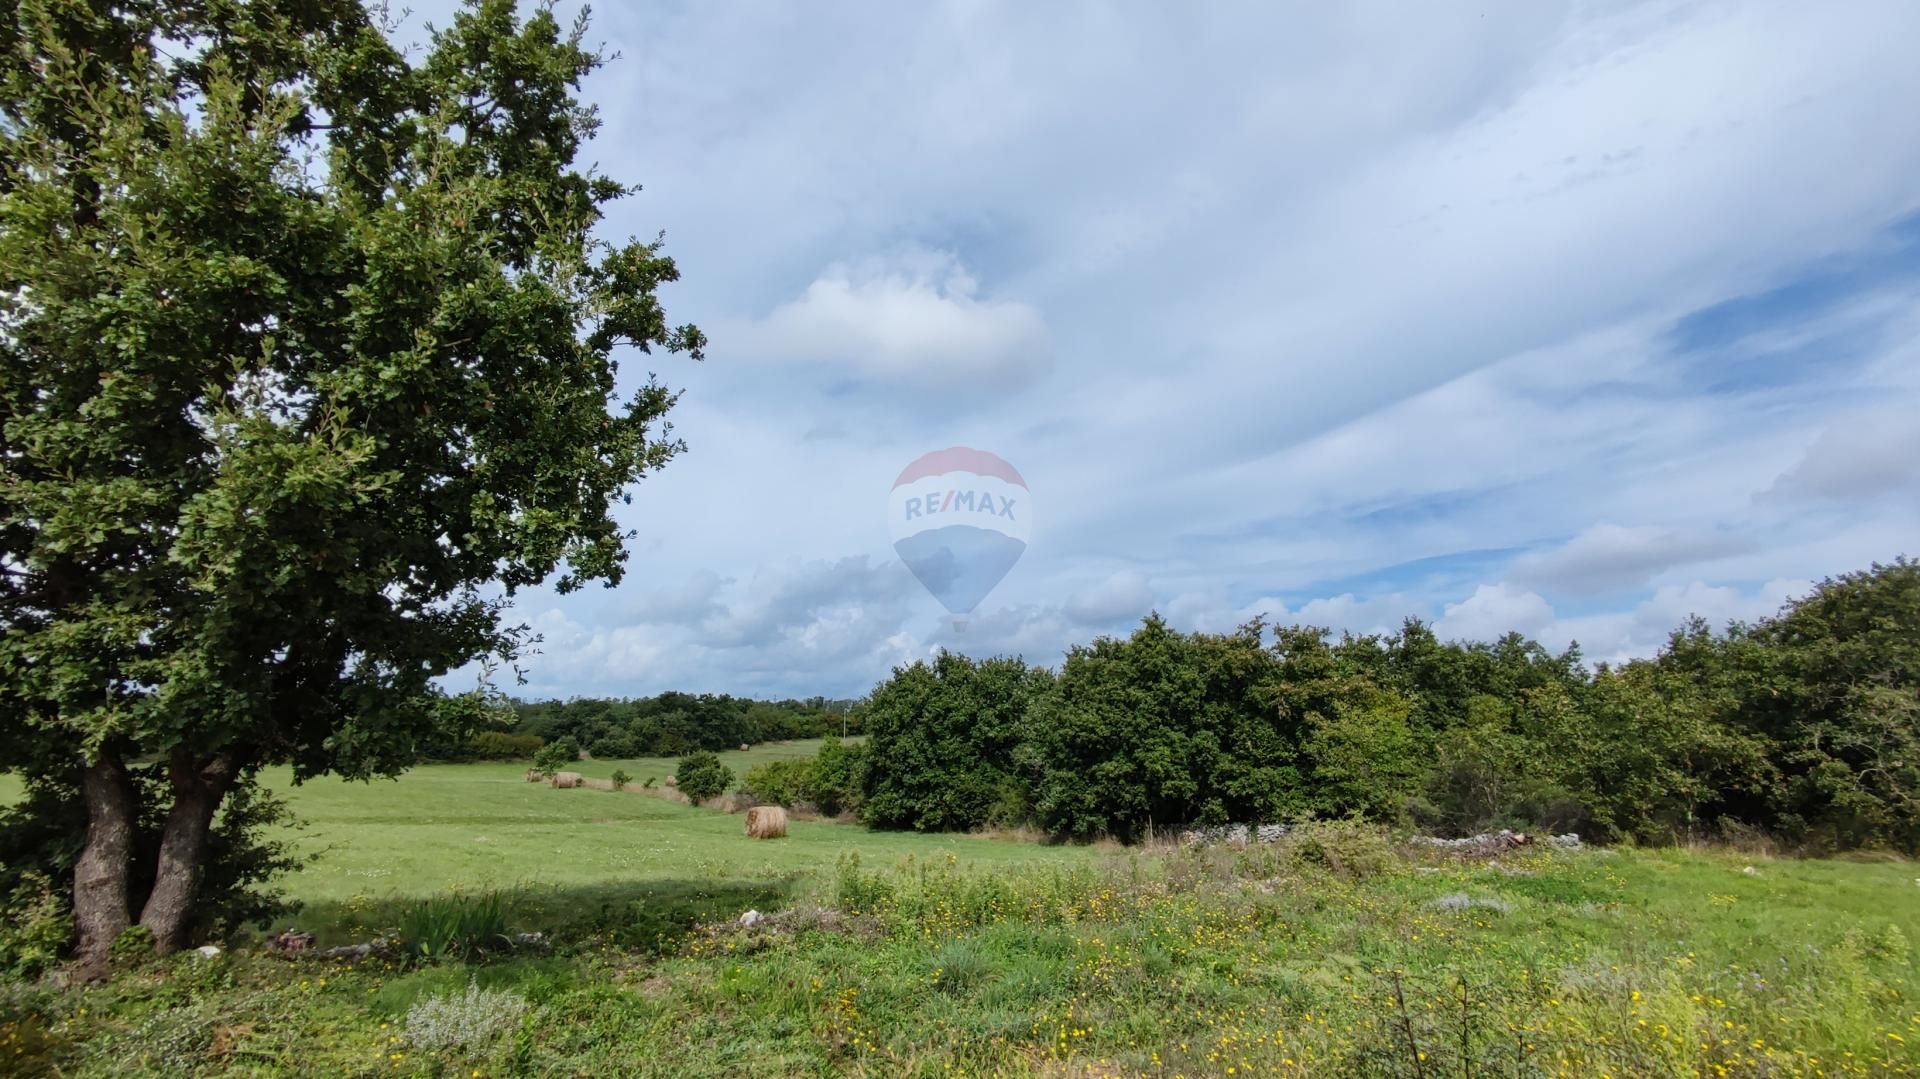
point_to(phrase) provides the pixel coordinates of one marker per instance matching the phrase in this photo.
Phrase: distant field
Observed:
(640, 768)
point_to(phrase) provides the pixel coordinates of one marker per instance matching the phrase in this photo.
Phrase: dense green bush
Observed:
(503, 746)
(1805, 725)
(1162, 729)
(782, 783)
(948, 730)
(839, 769)
(701, 776)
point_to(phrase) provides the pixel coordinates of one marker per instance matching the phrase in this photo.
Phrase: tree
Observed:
(941, 737)
(1160, 730)
(701, 776)
(1834, 680)
(555, 756)
(307, 363)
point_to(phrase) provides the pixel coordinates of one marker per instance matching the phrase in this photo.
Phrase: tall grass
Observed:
(463, 927)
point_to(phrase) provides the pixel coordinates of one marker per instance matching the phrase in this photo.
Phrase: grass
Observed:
(909, 955)
(480, 827)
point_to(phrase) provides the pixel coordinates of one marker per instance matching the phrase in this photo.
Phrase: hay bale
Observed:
(766, 822)
(744, 747)
(672, 781)
(535, 775)
(565, 780)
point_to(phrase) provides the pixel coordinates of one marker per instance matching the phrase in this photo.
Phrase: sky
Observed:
(1570, 319)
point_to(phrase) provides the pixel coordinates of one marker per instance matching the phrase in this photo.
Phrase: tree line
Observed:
(671, 724)
(1804, 725)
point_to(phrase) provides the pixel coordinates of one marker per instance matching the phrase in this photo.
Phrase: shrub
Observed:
(502, 746)
(838, 771)
(701, 776)
(617, 746)
(35, 926)
(454, 926)
(556, 755)
(780, 783)
(468, 1022)
(620, 779)
(1349, 848)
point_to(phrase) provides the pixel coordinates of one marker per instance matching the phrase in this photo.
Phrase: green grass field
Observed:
(1335, 953)
(476, 827)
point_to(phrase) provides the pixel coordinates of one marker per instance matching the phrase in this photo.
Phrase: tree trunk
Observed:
(100, 875)
(198, 787)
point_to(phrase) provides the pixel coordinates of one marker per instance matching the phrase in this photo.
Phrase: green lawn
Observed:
(471, 827)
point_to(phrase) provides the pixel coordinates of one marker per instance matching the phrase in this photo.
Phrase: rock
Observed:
(292, 941)
(1750, 871)
(207, 951)
(752, 918)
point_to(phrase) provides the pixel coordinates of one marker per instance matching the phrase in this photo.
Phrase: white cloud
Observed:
(917, 319)
(1607, 557)
(1357, 302)
(1494, 610)
(1122, 596)
(1864, 455)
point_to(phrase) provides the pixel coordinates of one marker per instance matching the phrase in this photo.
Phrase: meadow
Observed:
(1337, 951)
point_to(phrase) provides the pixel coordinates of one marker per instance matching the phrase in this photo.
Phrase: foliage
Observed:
(948, 730)
(1161, 729)
(309, 366)
(455, 926)
(468, 1022)
(620, 779)
(837, 776)
(35, 926)
(673, 723)
(782, 783)
(492, 746)
(701, 776)
(555, 756)
(1805, 725)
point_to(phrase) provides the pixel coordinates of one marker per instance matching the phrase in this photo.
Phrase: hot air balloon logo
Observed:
(960, 518)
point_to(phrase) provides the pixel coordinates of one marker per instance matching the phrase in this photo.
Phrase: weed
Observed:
(469, 1022)
(455, 926)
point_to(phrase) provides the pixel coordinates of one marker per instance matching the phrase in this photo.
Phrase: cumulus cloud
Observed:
(1493, 610)
(1607, 557)
(1862, 456)
(1361, 328)
(917, 319)
(1123, 596)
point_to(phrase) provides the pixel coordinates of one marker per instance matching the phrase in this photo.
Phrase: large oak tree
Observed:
(307, 360)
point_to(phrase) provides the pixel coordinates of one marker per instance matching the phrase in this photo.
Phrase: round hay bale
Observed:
(566, 780)
(535, 775)
(744, 747)
(766, 822)
(671, 781)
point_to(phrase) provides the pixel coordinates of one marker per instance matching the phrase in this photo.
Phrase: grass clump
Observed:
(463, 927)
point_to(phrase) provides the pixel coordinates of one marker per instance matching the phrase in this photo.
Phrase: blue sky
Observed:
(1571, 319)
